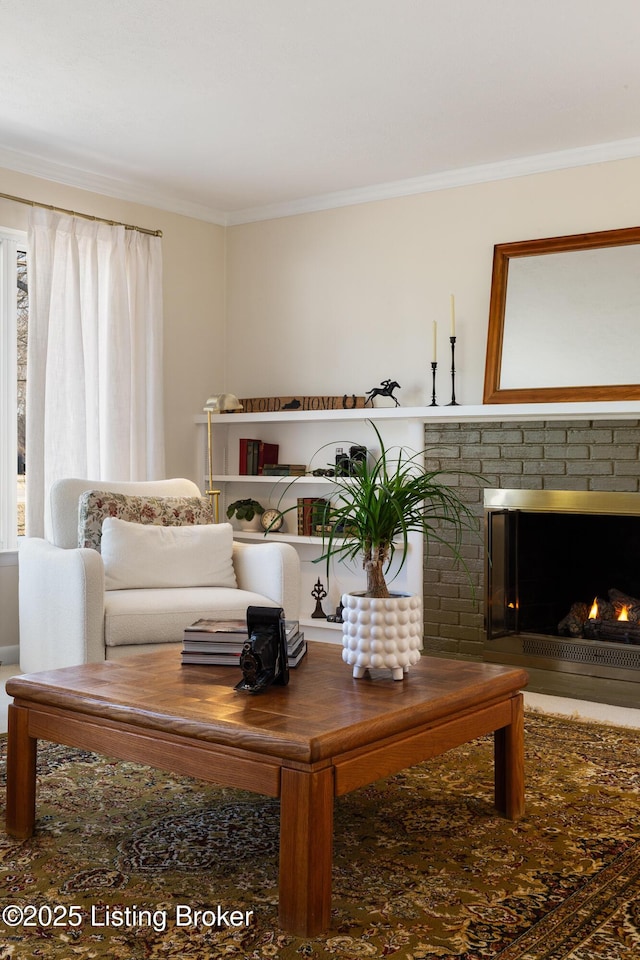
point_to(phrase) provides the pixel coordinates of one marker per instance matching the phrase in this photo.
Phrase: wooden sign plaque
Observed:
(348, 401)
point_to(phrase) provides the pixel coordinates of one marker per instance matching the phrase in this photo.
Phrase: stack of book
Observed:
(313, 514)
(220, 642)
(284, 469)
(253, 454)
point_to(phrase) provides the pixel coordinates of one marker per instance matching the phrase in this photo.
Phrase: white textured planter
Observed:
(381, 632)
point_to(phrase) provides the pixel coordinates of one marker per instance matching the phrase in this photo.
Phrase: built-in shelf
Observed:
(284, 537)
(326, 416)
(592, 410)
(310, 437)
(274, 481)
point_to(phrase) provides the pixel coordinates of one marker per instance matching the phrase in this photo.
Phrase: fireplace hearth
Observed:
(562, 581)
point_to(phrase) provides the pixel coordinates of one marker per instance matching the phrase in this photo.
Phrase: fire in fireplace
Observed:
(615, 619)
(563, 580)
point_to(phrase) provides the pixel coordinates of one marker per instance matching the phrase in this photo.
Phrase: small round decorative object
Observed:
(272, 520)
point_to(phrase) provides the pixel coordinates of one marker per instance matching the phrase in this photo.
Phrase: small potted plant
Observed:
(371, 515)
(247, 513)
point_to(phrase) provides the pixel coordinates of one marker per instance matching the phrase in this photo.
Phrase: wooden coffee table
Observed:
(318, 738)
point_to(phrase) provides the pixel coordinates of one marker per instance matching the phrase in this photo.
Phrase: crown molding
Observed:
(106, 186)
(446, 180)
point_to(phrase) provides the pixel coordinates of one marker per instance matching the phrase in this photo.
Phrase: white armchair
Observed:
(71, 613)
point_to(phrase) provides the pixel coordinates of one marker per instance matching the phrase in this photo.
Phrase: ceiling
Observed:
(232, 110)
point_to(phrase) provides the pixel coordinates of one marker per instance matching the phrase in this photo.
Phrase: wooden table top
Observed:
(322, 713)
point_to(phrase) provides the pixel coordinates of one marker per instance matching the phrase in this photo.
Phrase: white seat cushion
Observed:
(160, 616)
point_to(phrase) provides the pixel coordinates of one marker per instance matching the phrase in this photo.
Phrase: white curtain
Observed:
(94, 365)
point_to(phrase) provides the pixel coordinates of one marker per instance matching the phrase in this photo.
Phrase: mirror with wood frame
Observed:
(564, 319)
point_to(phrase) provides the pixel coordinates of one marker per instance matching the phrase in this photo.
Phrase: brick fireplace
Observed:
(591, 455)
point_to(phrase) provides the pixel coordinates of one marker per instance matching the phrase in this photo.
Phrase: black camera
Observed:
(263, 660)
(347, 464)
(357, 454)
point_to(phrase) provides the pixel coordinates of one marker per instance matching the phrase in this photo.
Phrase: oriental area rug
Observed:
(134, 864)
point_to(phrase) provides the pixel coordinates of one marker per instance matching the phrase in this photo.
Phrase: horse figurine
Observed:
(385, 389)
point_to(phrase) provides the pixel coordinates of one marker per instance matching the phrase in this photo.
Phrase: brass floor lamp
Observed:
(214, 495)
(219, 404)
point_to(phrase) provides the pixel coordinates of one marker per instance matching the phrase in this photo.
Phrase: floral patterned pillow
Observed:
(95, 505)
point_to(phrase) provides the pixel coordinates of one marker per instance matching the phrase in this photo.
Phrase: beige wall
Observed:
(193, 271)
(336, 301)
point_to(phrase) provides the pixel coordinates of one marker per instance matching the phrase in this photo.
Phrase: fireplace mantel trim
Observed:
(563, 501)
(487, 413)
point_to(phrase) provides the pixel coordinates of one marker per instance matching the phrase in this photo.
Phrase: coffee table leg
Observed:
(509, 763)
(306, 845)
(21, 774)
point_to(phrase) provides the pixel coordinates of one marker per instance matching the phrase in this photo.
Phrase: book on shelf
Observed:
(244, 455)
(267, 453)
(253, 454)
(284, 469)
(312, 514)
(254, 451)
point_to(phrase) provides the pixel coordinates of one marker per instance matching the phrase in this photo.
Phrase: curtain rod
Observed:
(85, 216)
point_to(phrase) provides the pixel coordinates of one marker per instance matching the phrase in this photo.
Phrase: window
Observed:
(14, 313)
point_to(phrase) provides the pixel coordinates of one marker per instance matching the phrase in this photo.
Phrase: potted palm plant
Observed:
(371, 515)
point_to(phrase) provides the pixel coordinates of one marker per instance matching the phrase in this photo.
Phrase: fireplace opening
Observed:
(550, 555)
